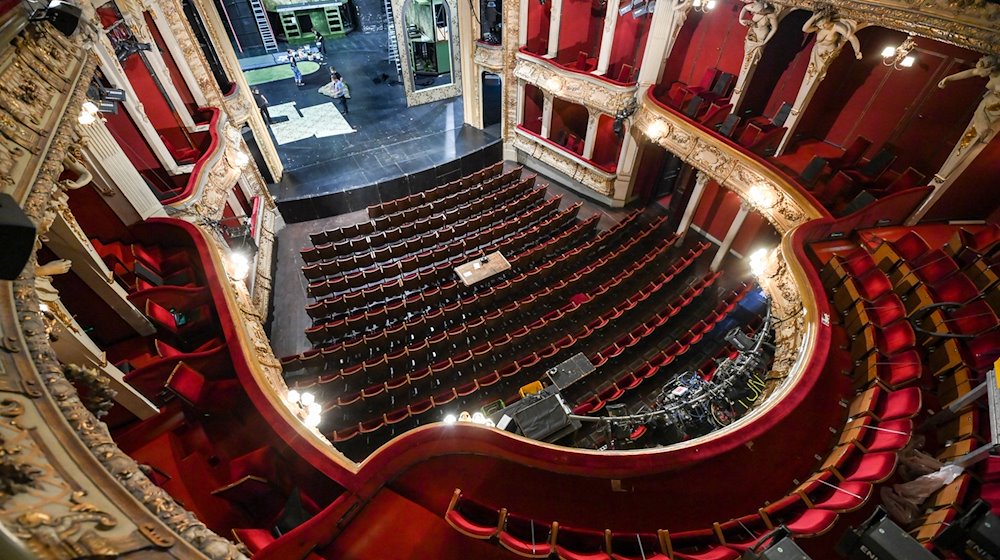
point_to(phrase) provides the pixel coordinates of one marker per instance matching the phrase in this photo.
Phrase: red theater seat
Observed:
(526, 538)
(580, 544)
(474, 519)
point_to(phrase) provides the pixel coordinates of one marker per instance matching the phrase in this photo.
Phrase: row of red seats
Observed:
(138, 266)
(632, 379)
(552, 322)
(429, 300)
(464, 190)
(523, 310)
(340, 305)
(424, 243)
(843, 483)
(353, 247)
(541, 220)
(437, 193)
(927, 277)
(439, 318)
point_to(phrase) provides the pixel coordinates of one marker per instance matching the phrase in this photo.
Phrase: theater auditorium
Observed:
(573, 279)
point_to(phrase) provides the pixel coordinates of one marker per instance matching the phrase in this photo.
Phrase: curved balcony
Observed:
(589, 90)
(600, 178)
(196, 180)
(488, 55)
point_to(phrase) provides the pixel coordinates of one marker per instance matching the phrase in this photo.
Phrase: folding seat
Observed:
(472, 518)
(199, 393)
(872, 437)
(892, 372)
(371, 425)
(524, 537)
(420, 407)
(849, 463)
(444, 397)
(826, 492)
(583, 544)
(396, 416)
(954, 289)
(981, 352)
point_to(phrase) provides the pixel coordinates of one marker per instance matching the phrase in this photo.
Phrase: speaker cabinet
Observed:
(17, 237)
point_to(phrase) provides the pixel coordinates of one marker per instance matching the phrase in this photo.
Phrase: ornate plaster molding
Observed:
(967, 23)
(40, 377)
(488, 56)
(775, 198)
(573, 167)
(591, 92)
(785, 207)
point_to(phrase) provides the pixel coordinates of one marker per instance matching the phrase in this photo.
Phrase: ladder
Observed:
(264, 26)
(390, 25)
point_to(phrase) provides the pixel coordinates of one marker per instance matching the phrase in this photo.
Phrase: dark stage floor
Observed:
(390, 141)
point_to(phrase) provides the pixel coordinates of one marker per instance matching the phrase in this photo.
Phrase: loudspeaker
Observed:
(17, 237)
(63, 16)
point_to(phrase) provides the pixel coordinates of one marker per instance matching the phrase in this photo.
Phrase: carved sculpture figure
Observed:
(43, 278)
(761, 20)
(988, 112)
(832, 33)
(680, 9)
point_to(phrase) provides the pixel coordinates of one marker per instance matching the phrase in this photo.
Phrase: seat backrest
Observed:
(722, 84)
(708, 78)
(729, 125)
(879, 163)
(693, 105)
(813, 170)
(782, 115)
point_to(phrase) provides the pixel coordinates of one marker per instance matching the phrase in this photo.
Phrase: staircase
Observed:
(264, 26)
(390, 26)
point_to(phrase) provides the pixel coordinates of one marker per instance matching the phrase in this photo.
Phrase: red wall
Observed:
(127, 134)
(629, 43)
(781, 69)
(754, 234)
(976, 192)
(156, 106)
(539, 16)
(712, 40)
(569, 117)
(716, 211)
(900, 107)
(175, 74)
(533, 102)
(577, 30)
(95, 217)
(607, 145)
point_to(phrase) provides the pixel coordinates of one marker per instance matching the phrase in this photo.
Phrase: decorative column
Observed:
(116, 75)
(159, 68)
(554, 21)
(607, 39)
(627, 158)
(982, 129)
(761, 20)
(180, 51)
(679, 10)
(472, 84)
(115, 177)
(701, 179)
(67, 241)
(73, 346)
(591, 136)
(546, 114)
(832, 33)
(727, 243)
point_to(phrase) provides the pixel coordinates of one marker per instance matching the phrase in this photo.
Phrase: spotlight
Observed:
(64, 16)
(106, 106)
(239, 269)
(113, 94)
(758, 262)
(450, 419)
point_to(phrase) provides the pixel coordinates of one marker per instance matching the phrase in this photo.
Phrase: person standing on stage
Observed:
(296, 73)
(341, 92)
(261, 102)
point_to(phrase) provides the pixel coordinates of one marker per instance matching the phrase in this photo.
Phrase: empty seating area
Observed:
(399, 340)
(204, 444)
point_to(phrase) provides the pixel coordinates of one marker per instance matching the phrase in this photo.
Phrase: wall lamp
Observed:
(899, 57)
(703, 6)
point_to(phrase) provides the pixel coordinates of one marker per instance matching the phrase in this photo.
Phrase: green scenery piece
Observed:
(279, 72)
